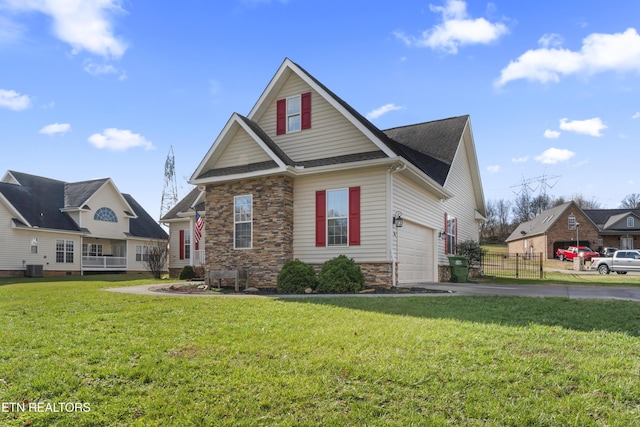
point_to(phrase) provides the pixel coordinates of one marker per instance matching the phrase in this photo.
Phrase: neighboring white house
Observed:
(305, 176)
(51, 227)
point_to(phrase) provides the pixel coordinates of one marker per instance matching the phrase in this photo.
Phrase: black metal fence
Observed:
(519, 266)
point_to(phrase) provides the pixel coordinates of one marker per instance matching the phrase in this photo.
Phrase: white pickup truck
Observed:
(621, 262)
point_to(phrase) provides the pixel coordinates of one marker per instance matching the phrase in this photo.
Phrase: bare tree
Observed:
(522, 207)
(503, 207)
(631, 201)
(156, 260)
(585, 203)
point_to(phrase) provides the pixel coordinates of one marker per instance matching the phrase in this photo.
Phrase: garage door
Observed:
(415, 253)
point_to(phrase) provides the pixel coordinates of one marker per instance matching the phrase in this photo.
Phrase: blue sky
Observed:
(103, 88)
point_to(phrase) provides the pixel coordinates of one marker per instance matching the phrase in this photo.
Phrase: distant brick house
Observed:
(567, 225)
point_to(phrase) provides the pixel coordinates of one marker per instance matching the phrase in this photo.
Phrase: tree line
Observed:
(503, 215)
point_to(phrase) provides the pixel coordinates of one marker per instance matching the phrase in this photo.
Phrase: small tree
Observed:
(472, 250)
(156, 261)
(187, 273)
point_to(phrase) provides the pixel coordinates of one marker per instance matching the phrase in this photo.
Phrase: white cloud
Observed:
(457, 29)
(119, 140)
(587, 127)
(55, 128)
(551, 40)
(555, 155)
(84, 24)
(520, 159)
(493, 168)
(599, 53)
(13, 100)
(636, 115)
(551, 134)
(382, 110)
(99, 69)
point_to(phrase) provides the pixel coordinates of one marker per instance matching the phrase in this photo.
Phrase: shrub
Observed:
(340, 275)
(295, 277)
(472, 250)
(187, 273)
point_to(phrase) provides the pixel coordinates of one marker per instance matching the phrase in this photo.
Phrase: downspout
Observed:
(397, 167)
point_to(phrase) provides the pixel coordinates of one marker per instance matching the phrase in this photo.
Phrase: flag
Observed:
(198, 228)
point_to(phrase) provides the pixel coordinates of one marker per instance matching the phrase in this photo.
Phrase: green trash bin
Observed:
(459, 268)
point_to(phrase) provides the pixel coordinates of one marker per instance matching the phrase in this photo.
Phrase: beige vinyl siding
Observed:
(46, 255)
(373, 218)
(107, 197)
(420, 207)
(463, 204)
(174, 244)
(331, 134)
(242, 150)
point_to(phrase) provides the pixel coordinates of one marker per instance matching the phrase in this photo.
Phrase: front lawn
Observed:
(256, 361)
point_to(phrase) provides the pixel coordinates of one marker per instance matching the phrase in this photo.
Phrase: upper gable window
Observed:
(572, 222)
(105, 214)
(630, 222)
(293, 114)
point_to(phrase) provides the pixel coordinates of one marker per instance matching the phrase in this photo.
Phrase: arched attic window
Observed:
(105, 214)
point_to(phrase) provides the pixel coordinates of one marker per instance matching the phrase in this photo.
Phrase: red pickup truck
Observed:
(572, 251)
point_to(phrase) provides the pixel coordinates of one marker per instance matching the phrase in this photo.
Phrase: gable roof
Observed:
(185, 205)
(42, 202)
(541, 223)
(430, 147)
(606, 219)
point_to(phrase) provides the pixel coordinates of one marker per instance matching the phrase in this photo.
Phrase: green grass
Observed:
(410, 361)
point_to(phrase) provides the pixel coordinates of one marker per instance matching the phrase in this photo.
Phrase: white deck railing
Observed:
(104, 262)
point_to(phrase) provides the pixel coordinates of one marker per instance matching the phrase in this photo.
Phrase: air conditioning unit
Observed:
(33, 270)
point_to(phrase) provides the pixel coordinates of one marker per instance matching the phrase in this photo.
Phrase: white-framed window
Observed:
(630, 222)
(243, 222)
(142, 253)
(92, 249)
(294, 114)
(571, 222)
(34, 245)
(64, 251)
(338, 217)
(452, 234)
(187, 244)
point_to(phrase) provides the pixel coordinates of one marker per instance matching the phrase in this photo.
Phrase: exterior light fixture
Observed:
(397, 219)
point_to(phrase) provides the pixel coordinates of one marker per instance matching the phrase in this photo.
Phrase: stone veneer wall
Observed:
(272, 228)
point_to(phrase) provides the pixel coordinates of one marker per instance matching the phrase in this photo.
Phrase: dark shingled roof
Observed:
(430, 146)
(184, 205)
(39, 200)
(144, 225)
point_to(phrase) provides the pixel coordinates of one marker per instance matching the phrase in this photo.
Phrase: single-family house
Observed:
(568, 225)
(52, 227)
(304, 175)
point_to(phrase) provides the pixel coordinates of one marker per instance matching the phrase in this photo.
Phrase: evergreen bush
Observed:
(295, 277)
(340, 275)
(187, 273)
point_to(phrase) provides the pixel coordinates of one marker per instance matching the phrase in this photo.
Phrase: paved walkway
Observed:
(443, 289)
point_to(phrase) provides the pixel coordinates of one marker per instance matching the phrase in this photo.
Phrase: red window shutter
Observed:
(306, 110)
(281, 119)
(321, 218)
(354, 216)
(455, 224)
(446, 234)
(181, 244)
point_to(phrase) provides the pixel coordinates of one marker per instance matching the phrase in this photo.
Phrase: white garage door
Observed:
(415, 253)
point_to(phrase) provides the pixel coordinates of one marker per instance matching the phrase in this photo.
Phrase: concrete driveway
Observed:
(442, 289)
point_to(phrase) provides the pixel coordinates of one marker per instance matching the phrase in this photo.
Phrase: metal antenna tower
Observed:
(170, 190)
